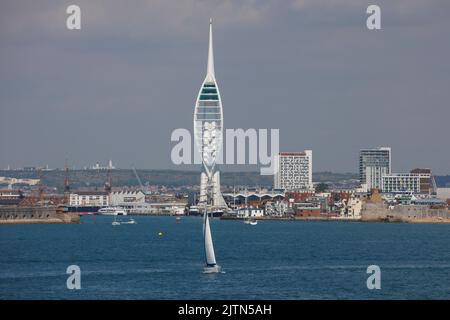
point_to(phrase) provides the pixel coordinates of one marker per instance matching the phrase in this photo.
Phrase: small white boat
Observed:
(131, 221)
(217, 213)
(193, 211)
(115, 222)
(251, 222)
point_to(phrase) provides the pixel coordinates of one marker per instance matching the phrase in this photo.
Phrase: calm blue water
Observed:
(273, 260)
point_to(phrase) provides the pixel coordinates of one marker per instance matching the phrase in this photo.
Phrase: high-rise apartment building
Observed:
(294, 171)
(373, 165)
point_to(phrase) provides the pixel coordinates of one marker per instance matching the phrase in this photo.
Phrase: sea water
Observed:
(158, 258)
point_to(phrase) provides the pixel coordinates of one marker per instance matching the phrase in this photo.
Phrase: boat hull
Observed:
(212, 269)
(214, 214)
(83, 209)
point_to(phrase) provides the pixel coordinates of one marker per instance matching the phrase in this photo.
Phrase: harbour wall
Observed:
(32, 215)
(404, 213)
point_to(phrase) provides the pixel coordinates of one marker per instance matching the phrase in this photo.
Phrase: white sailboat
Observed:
(211, 265)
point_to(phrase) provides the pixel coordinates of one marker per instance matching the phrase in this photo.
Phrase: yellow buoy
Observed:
(160, 234)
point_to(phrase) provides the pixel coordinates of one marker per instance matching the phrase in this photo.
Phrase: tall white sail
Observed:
(209, 248)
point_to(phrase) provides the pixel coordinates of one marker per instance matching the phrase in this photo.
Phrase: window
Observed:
(212, 116)
(208, 104)
(208, 110)
(209, 90)
(209, 97)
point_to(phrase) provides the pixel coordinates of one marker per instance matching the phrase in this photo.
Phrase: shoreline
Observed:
(330, 219)
(65, 218)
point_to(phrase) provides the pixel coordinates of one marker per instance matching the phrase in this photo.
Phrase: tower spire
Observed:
(210, 71)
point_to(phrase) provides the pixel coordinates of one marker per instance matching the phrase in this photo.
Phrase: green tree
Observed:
(321, 187)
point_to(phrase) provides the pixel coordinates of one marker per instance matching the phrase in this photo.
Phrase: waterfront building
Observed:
(276, 208)
(131, 201)
(294, 171)
(253, 197)
(208, 133)
(250, 213)
(417, 181)
(10, 197)
(351, 208)
(122, 198)
(373, 165)
(298, 196)
(307, 209)
(93, 199)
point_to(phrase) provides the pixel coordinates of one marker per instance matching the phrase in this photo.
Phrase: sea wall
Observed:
(404, 213)
(25, 215)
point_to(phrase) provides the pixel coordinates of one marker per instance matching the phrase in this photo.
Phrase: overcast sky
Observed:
(117, 88)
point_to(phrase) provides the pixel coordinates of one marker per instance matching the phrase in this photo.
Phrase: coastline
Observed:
(49, 215)
(332, 219)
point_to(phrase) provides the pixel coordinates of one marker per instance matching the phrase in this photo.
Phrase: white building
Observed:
(10, 197)
(352, 208)
(294, 171)
(89, 199)
(250, 213)
(405, 183)
(123, 198)
(373, 165)
(443, 193)
(11, 181)
(97, 166)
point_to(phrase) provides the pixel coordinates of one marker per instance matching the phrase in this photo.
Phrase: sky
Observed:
(117, 88)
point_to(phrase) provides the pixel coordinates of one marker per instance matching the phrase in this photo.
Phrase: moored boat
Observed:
(112, 211)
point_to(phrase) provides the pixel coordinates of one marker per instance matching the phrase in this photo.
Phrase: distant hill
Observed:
(173, 178)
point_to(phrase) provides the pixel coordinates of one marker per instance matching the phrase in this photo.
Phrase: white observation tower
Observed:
(208, 132)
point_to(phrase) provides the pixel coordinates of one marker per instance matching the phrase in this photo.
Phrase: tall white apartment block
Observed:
(373, 165)
(294, 171)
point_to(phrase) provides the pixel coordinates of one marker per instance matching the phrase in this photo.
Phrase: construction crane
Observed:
(66, 183)
(137, 177)
(41, 188)
(108, 183)
(139, 180)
